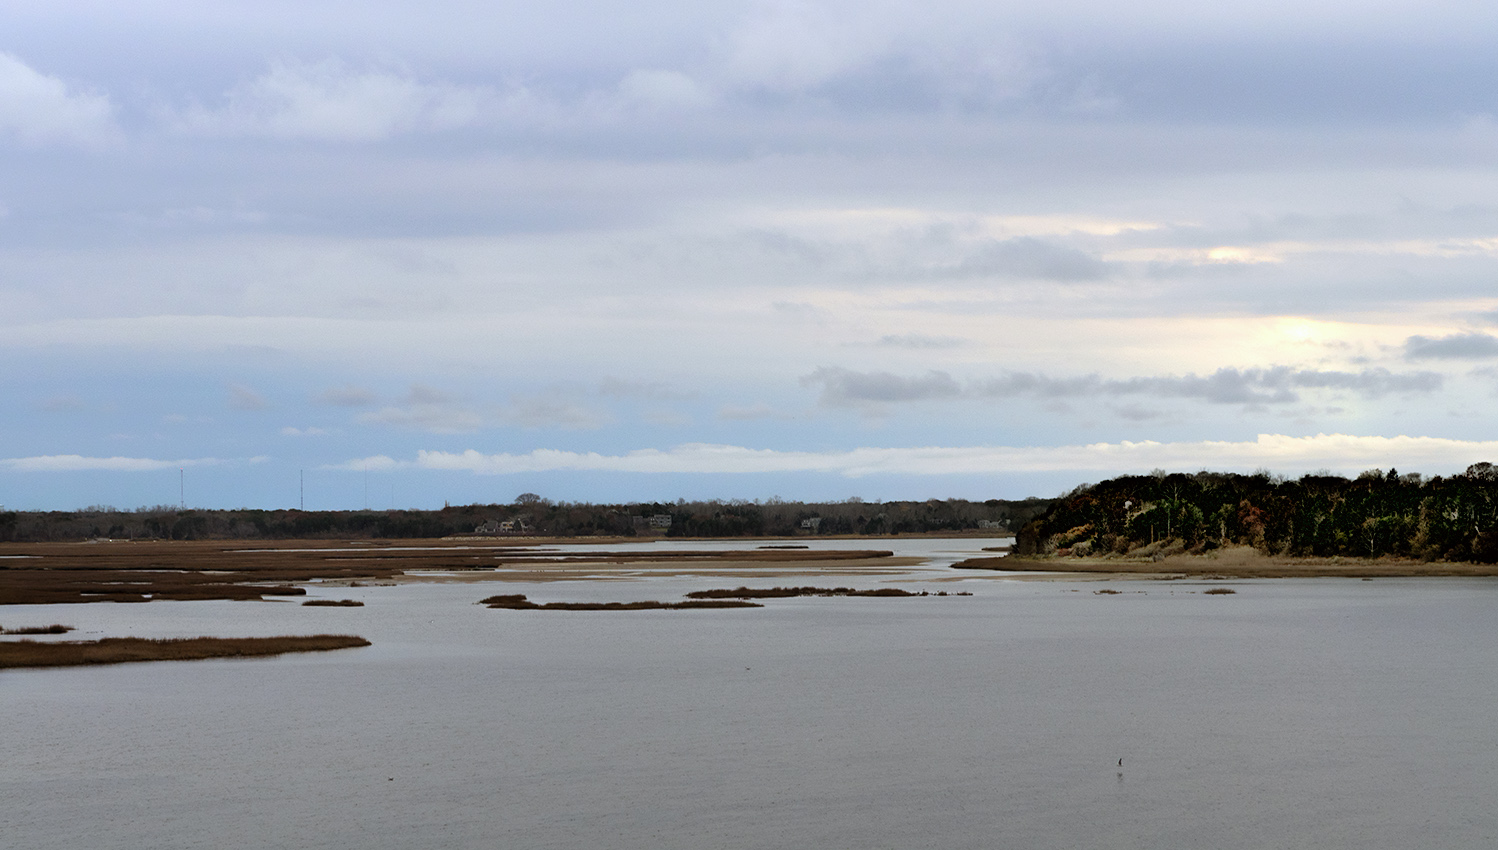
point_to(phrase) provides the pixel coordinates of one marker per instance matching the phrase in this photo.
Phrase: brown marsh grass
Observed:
(28, 653)
(518, 602)
(122, 571)
(789, 592)
(54, 629)
(333, 603)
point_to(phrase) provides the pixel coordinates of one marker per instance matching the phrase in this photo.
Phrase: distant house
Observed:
(995, 525)
(494, 526)
(660, 521)
(812, 524)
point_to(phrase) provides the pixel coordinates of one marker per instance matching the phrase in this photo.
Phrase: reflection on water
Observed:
(1325, 713)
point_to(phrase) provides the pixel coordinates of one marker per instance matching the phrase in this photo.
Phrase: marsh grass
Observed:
(54, 629)
(1219, 591)
(333, 603)
(789, 592)
(518, 602)
(29, 653)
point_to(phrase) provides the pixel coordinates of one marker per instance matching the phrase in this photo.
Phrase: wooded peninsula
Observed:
(1376, 514)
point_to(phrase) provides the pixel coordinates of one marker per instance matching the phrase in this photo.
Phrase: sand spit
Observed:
(27, 653)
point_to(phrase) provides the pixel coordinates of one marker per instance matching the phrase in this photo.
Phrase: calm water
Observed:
(1315, 713)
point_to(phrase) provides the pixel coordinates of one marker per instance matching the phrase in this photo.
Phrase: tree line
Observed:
(530, 515)
(1377, 513)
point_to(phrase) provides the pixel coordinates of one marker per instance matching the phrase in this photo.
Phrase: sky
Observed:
(381, 254)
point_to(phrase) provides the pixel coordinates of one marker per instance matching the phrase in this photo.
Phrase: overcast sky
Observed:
(456, 251)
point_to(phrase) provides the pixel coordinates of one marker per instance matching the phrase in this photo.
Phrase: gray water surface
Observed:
(1293, 713)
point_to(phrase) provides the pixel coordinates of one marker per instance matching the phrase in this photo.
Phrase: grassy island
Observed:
(28, 653)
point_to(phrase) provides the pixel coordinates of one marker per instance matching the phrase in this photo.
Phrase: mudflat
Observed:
(123, 571)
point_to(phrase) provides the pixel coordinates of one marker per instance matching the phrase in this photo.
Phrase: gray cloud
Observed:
(650, 390)
(1032, 259)
(553, 410)
(1471, 346)
(242, 397)
(346, 396)
(1276, 385)
(843, 387)
(918, 341)
(438, 419)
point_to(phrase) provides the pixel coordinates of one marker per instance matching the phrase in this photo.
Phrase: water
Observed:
(1294, 713)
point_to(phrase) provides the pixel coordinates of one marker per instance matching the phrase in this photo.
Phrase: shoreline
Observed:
(1237, 562)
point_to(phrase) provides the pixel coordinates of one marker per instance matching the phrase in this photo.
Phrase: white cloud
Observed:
(330, 102)
(80, 463)
(1339, 452)
(37, 109)
(304, 432)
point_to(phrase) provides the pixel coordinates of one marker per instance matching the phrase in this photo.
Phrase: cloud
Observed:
(1471, 346)
(1031, 259)
(842, 387)
(918, 341)
(346, 396)
(304, 432)
(37, 110)
(327, 101)
(1275, 385)
(553, 411)
(436, 418)
(79, 463)
(1340, 452)
(428, 409)
(663, 90)
(651, 390)
(423, 394)
(242, 397)
(749, 413)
